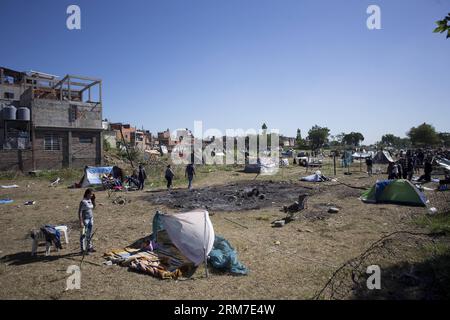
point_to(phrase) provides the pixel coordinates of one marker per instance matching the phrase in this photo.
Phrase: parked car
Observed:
(305, 160)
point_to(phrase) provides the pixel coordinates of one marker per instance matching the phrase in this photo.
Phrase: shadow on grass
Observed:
(25, 258)
(426, 280)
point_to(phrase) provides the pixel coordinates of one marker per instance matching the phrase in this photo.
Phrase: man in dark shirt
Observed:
(369, 164)
(142, 176)
(190, 173)
(428, 168)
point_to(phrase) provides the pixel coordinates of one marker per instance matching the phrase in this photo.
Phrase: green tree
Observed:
(444, 137)
(443, 26)
(318, 136)
(299, 140)
(390, 140)
(424, 136)
(264, 127)
(353, 138)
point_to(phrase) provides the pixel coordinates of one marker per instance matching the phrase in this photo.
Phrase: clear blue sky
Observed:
(239, 63)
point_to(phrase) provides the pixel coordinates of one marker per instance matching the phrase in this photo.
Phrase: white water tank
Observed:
(9, 113)
(23, 113)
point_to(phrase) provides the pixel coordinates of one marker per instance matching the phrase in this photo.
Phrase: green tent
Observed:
(395, 191)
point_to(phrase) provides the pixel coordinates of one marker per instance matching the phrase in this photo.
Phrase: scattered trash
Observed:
(277, 243)
(30, 203)
(10, 186)
(55, 183)
(432, 211)
(108, 263)
(297, 205)
(279, 223)
(6, 201)
(333, 210)
(121, 200)
(305, 230)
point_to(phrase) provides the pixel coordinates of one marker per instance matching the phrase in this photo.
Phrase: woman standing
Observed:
(86, 216)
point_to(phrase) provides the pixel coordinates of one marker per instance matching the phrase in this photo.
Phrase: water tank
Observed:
(23, 113)
(9, 113)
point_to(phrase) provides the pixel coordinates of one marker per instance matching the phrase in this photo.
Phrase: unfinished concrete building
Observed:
(49, 123)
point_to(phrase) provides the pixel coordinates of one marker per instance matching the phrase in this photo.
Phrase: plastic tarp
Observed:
(444, 163)
(266, 165)
(93, 175)
(224, 257)
(191, 232)
(361, 155)
(316, 177)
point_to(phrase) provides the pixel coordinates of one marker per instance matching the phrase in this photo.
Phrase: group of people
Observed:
(410, 163)
(189, 173)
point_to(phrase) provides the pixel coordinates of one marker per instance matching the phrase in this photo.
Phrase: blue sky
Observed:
(239, 63)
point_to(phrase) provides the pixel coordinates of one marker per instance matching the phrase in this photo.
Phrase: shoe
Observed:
(92, 250)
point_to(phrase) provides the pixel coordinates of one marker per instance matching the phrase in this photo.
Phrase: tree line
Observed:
(422, 136)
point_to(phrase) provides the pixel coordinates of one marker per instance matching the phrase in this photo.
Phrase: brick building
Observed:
(58, 122)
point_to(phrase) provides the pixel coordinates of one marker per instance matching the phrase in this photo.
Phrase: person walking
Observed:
(369, 164)
(86, 217)
(142, 176)
(190, 173)
(428, 168)
(169, 177)
(410, 168)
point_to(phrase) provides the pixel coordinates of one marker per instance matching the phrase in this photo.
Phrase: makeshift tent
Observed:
(93, 176)
(316, 177)
(266, 165)
(179, 242)
(382, 157)
(191, 232)
(396, 192)
(361, 155)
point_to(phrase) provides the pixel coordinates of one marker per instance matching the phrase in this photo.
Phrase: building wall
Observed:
(84, 152)
(14, 160)
(55, 113)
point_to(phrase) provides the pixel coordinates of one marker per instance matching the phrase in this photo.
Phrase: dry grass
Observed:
(309, 250)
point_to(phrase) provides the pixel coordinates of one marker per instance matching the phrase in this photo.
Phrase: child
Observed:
(86, 216)
(169, 177)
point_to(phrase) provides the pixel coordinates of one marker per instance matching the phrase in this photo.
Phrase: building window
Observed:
(51, 143)
(9, 95)
(73, 113)
(85, 140)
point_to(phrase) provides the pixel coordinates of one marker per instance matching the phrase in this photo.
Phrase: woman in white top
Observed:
(86, 216)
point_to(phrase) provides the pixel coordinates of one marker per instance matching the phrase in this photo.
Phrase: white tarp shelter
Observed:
(93, 175)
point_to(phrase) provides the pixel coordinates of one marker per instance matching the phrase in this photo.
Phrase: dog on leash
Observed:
(38, 236)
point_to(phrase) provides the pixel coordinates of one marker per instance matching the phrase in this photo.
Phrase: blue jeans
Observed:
(190, 182)
(86, 234)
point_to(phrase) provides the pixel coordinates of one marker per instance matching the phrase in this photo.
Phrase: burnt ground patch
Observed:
(245, 195)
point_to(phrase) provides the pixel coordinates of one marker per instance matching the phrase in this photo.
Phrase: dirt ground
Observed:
(292, 262)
